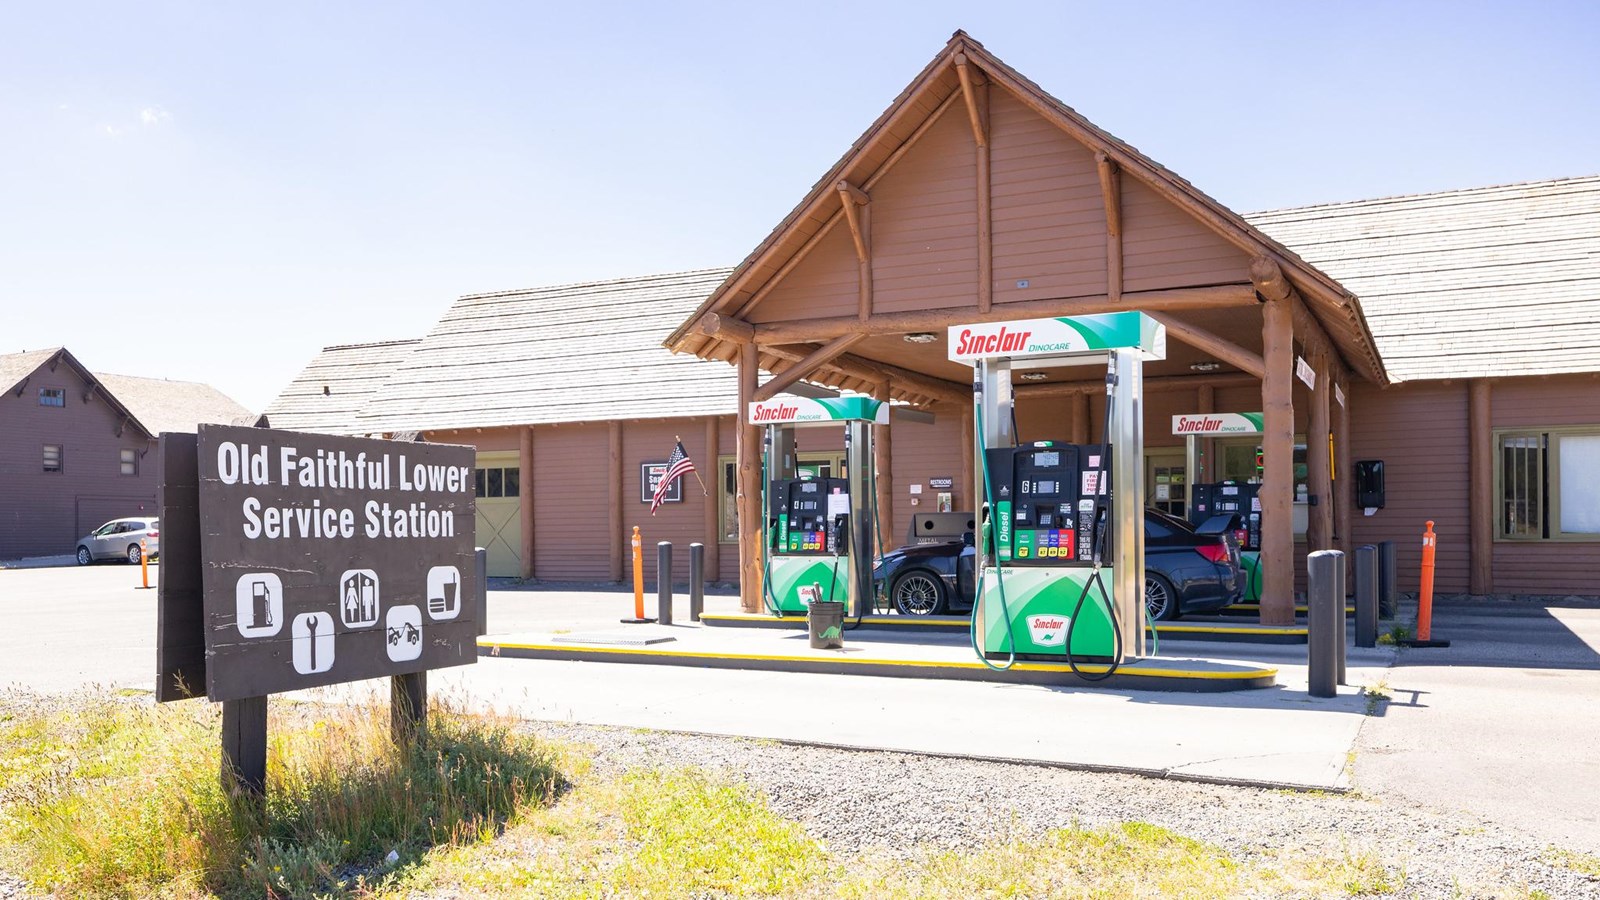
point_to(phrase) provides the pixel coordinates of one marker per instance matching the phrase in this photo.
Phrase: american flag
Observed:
(678, 465)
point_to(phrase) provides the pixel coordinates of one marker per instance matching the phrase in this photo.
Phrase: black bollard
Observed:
(1388, 581)
(664, 582)
(697, 580)
(1324, 645)
(1367, 596)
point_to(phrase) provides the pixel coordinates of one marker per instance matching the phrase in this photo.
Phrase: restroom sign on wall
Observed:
(328, 559)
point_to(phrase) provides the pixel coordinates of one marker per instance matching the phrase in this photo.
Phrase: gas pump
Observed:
(817, 534)
(1061, 558)
(1239, 498)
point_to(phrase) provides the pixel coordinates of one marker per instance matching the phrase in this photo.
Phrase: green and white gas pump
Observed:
(1225, 497)
(1061, 560)
(817, 532)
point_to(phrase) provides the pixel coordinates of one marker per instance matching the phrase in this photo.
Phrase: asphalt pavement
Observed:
(1504, 723)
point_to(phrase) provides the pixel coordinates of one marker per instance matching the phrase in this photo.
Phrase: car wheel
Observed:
(133, 554)
(84, 556)
(1160, 599)
(919, 594)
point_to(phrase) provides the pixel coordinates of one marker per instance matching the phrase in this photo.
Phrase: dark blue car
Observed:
(1185, 571)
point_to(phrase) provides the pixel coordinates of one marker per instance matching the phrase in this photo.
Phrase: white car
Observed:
(119, 539)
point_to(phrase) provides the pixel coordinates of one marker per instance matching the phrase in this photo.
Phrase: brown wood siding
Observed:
(923, 451)
(1049, 219)
(1420, 432)
(44, 513)
(1553, 567)
(569, 527)
(825, 283)
(924, 223)
(680, 523)
(1165, 247)
(485, 440)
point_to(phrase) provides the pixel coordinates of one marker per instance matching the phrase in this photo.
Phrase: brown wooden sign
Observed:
(329, 559)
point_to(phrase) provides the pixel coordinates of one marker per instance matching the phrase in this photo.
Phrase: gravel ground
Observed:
(896, 801)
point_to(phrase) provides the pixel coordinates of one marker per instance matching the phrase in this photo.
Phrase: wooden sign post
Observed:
(300, 560)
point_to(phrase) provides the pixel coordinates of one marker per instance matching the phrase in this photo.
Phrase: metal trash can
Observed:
(826, 623)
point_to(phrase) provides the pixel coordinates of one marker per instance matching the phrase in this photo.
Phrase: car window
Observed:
(107, 528)
(1153, 528)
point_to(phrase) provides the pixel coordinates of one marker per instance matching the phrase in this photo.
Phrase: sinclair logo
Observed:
(775, 412)
(1002, 341)
(1193, 424)
(1048, 630)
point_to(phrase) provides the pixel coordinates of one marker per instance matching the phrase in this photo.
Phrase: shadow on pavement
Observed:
(1510, 634)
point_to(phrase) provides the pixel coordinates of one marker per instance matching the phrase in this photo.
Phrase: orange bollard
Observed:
(1425, 593)
(144, 563)
(638, 580)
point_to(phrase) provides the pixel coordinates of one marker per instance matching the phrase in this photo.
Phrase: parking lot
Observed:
(1502, 731)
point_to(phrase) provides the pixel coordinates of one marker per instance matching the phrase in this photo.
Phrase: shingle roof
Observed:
(1469, 283)
(162, 405)
(330, 391)
(570, 353)
(16, 366)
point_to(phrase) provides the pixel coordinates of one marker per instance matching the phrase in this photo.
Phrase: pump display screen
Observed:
(1047, 460)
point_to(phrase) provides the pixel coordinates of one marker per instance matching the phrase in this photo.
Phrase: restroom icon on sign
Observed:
(358, 598)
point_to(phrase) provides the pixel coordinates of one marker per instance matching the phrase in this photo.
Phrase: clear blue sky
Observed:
(214, 191)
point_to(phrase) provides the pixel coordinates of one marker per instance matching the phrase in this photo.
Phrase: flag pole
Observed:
(703, 491)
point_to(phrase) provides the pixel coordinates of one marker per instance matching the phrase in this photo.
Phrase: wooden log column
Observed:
(883, 462)
(1343, 489)
(709, 522)
(525, 498)
(614, 542)
(1277, 483)
(1205, 402)
(748, 455)
(1319, 481)
(1480, 490)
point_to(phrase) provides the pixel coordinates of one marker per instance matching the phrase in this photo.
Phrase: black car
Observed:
(1186, 571)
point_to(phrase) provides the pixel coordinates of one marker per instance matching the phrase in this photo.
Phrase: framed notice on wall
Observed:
(650, 474)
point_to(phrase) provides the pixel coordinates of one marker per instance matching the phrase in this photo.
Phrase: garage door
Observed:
(500, 512)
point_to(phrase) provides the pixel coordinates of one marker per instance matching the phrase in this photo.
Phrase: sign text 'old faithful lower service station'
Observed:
(331, 559)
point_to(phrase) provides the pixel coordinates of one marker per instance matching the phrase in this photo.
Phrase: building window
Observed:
(52, 457)
(1547, 484)
(816, 465)
(52, 397)
(500, 481)
(130, 462)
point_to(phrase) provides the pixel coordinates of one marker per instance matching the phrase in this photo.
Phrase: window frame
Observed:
(128, 462)
(61, 458)
(62, 392)
(833, 459)
(1549, 483)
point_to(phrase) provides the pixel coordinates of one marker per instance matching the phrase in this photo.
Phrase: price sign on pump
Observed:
(329, 559)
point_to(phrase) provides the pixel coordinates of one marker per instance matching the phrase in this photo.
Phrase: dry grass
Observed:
(100, 797)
